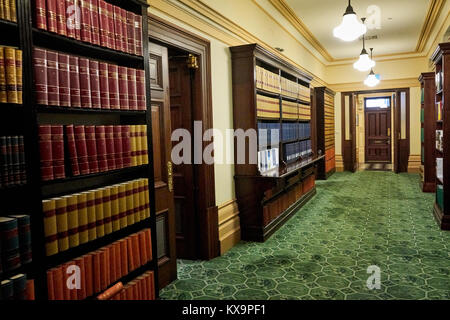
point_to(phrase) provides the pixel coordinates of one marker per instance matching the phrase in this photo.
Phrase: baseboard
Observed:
(414, 163)
(229, 226)
(339, 163)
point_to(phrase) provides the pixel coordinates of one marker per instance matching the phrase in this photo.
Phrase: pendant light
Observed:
(350, 29)
(371, 80)
(364, 63)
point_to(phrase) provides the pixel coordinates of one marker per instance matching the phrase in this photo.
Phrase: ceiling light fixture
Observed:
(371, 80)
(350, 29)
(364, 63)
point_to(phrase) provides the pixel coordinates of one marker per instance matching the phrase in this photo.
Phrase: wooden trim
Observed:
(433, 13)
(229, 225)
(414, 163)
(169, 34)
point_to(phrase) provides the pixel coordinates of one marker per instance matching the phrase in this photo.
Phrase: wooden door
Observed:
(353, 132)
(378, 135)
(183, 174)
(396, 135)
(164, 201)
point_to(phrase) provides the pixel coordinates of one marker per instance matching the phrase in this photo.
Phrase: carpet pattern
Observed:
(323, 252)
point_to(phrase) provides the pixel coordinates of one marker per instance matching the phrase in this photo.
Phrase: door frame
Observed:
(401, 146)
(168, 34)
(366, 125)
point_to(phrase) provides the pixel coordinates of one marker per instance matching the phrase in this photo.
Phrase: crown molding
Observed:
(431, 17)
(384, 84)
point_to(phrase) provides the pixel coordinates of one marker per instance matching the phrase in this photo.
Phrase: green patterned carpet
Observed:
(323, 252)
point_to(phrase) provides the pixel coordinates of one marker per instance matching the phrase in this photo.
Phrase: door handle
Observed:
(389, 132)
(170, 176)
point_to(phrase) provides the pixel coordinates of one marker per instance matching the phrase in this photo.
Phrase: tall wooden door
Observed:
(164, 198)
(378, 135)
(349, 131)
(183, 174)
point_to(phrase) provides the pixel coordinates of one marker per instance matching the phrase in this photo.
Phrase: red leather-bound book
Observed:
(103, 23)
(123, 21)
(86, 34)
(95, 84)
(118, 149)
(130, 33)
(126, 146)
(82, 154)
(110, 152)
(111, 27)
(104, 85)
(100, 137)
(88, 266)
(140, 89)
(45, 149)
(58, 152)
(85, 86)
(52, 78)
(52, 23)
(41, 14)
(64, 80)
(61, 17)
(97, 273)
(94, 22)
(123, 88)
(132, 100)
(75, 94)
(71, 144)
(91, 145)
(117, 28)
(71, 18)
(138, 35)
(40, 75)
(113, 79)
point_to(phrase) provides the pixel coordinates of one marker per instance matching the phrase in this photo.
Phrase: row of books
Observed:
(11, 75)
(77, 82)
(439, 140)
(296, 150)
(439, 111)
(76, 219)
(440, 169)
(268, 134)
(17, 288)
(440, 196)
(141, 288)
(294, 131)
(422, 95)
(96, 271)
(12, 161)
(8, 10)
(268, 159)
(92, 149)
(439, 80)
(15, 242)
(93, 21)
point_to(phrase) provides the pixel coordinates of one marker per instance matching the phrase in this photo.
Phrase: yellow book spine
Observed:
(1, 10)
(92, 226)
(99, 214)
(50, 227)
(83, 220)
(3, 95)
(12, 10)
(62, 224)
(145, 145)
(123, 206)
(129, 197)
(6, 10)
(107, 210)
(72, 219)
(19, 77)
(115, 208)
(147, 199)
(136, 201)
(11, 78)
(142, 200)
(134, 161)
(139, 146)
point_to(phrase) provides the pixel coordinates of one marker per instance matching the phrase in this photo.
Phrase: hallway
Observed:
(323, 252)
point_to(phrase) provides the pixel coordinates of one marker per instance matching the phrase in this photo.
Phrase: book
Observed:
(129, 204)
(61, 20)
(136, 201)
(45, 148)
(22, 162)
(72, 21)
(57, 141)
(107, 210)
(118, 147)
(6, 290)
(140, 90)
(110, 150)
(114, 198)
(19, 282)
(83, 220)
(91, 145)
(10, 73)
(113, 82)
(132, 89)
(62, 224)
(86, 34)
(126, 146)
(12, 10)
(64, 80)
(123, 88)
(138, 35)
(71, 144)
(95, 30)
(52, 78)
(40, 14)
(9, 244)
(117, 28)
(52, 22)
(100, 138)
(103, 23)
(124, 30)
(104, 85)
(72, 220)
(95, 84)
(81, 147)
(24, 229)
(19, 75)
(90, 206)
(75, 93)
(85, 84)
(50, 227)
(131, 44)
(111, 29)
(3, 94)
(99, 213)
(122, 206)
(81, 293)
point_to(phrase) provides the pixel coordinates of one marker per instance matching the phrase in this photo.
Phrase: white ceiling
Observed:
(401, 24)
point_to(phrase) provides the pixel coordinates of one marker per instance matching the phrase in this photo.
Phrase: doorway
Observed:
(378, 130)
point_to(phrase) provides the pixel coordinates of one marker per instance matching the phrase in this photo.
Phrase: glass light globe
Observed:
(371, 80)
(364, 63)
(350, 29)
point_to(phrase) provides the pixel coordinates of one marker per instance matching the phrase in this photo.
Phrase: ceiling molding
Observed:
(384, 84)
(289, 14)
(431, 17)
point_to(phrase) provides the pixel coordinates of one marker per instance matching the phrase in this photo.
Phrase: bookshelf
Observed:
(323, 110)
(269, 96)
(25, 119)
(428, 132)
(441, 59)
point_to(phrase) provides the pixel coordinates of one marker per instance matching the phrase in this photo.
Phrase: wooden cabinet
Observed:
(273, 98)
(323, 110)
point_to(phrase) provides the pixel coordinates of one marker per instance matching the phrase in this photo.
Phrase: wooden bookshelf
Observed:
(323, 115)
(441, 59)
(428, 132)
(267, 198)
(26, 119)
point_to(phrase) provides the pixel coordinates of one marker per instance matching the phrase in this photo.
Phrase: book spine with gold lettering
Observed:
(3, 95)
(61, 22)
(41, 14)
(13, 10)
(6, 10)
(19, 75)
(133, 145)
(141, 192)
(72, 219)
(99, 213)
(95, 30)
(123, 206)
(130, 203)
(145, 144)
(50, 227)
(52, 21)
(147, 198)
(62, 224)
(11, 77)
(115, 210)
(136, 201)
(107, 210)
(92, 218)
(83, 220)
